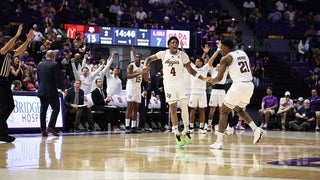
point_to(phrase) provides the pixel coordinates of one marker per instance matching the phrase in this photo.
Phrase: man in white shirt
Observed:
(286, 106)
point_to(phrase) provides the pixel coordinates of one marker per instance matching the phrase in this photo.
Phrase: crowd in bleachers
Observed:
(75, 58)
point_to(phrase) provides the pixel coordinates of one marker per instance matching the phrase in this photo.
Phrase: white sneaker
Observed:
(205, 126)
(202, 131)
(191, 130)
(229, 130)
(257, 134)
(265, 126)
(216, 127)
(216, 145)
(261, 125)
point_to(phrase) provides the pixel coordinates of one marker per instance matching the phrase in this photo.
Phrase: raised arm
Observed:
(106, 69)
(132, 48)
(23, 46)
(10, 44)
(215, 54)
(225, 61)
(74, 69)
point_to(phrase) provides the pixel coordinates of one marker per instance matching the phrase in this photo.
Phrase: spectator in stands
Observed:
(248, 6)
(74, 105)
(102, 20)
(232, 28)
(257, 74)
(113, 10)
(293, 49)
(290, 16)
(314, 100)
(199, 16)
(63, 11)
(303, 50)
(304, 117)
(27, 59)
(257, 59)
(281, 6)
(255, 17)
(149, 20)
(268, 106)
(238, 40)
(285, 108)
(311, 31)
(297, 105)
(317, 17)
(58, 43)
(141, 15)
(65, 81)
(166, 24)
(28, 85)
(16, 85)
(220, 27)
(77, 42)
(16, 70)
(274, 16)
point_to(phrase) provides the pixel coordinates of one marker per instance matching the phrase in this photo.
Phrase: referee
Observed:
(7, 53)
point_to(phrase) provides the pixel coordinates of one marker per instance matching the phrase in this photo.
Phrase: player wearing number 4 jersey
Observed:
(173, 62)
(240, 92)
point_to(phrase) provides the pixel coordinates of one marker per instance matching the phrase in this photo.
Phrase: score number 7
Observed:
(158, 41)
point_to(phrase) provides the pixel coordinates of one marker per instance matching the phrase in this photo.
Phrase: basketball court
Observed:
(96, 155)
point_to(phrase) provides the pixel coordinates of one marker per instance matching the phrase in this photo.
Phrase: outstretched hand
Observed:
(206, 48)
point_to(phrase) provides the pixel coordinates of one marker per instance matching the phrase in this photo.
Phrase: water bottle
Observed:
(109, 127)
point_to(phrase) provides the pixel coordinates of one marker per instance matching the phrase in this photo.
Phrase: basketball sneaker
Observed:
(187, 136)
(216, 145)
(179, 140)
(257, 134)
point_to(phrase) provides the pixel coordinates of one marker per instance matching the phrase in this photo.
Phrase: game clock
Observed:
(127, 36)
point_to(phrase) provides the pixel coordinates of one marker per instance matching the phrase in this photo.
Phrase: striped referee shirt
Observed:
(5, 62)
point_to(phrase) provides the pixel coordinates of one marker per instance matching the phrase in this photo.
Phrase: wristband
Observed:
(218, 49)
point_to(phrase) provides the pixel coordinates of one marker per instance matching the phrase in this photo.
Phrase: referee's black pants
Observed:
(6, 104)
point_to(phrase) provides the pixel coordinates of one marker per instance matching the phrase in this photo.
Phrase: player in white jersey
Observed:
(173, 62)
(240, 92)
(198, 97)
(217, 95)
(135, 73)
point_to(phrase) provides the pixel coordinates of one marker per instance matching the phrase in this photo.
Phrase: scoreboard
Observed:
(127, 36)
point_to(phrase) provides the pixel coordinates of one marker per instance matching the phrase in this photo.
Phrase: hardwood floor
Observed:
(282, 155)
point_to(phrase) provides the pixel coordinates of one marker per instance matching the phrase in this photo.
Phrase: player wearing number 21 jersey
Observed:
(240, 92)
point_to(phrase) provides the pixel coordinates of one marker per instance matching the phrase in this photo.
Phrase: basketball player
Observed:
(135, 73)
(173, 62)
(240, 92)
(198, 97)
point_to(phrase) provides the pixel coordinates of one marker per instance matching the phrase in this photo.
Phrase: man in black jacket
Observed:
(74, 105)
(49, 82)
(100, 100)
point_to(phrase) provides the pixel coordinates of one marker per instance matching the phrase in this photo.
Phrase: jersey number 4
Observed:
(173, 71)
(244, 66)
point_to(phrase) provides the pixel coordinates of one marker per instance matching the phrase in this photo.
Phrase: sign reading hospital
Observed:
(26, 113)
